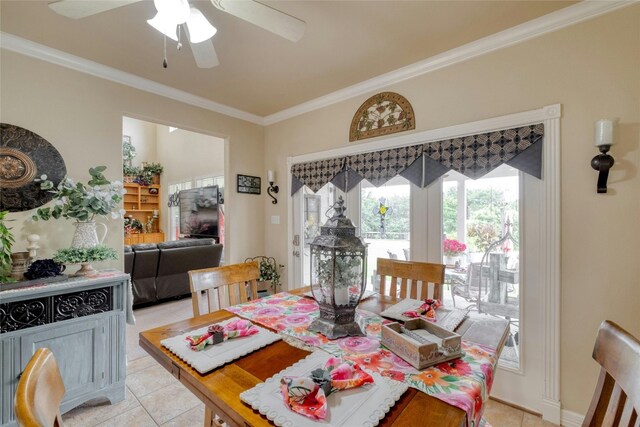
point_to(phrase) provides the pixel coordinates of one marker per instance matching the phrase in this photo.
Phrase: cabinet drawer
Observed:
(41, 311)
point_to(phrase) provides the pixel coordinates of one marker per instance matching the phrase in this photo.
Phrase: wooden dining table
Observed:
(220, 389)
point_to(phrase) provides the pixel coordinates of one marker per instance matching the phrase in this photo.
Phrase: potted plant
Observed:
(130, 172)
(132, 226)
(6, 242)
(269, 273)
(153, 170)
(83, 202)
(84, 256)
(128, 151)
(452, 249)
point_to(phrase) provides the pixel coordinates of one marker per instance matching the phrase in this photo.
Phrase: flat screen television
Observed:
(199, 212)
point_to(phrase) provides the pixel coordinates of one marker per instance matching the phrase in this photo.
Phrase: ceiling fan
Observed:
(175, 15)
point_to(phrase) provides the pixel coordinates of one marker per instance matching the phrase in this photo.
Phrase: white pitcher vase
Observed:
(86, 235)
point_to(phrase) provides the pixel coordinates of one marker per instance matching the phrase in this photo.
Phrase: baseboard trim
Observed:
(571, 419)
(551, 411)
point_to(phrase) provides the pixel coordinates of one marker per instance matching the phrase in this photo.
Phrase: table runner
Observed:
(464, 383)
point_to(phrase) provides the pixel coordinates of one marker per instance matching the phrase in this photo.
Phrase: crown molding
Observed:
(45, 53)
(553, 21)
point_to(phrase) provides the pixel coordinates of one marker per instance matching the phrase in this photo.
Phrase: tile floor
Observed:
(155, 398)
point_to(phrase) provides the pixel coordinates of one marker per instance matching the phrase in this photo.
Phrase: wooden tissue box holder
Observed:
(417, 350)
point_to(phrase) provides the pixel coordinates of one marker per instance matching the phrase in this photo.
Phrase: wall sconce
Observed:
(272, 188)
(603, 162)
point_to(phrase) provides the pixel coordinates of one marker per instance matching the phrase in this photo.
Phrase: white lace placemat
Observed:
(217, 355)
(361, 406)
(448, 318)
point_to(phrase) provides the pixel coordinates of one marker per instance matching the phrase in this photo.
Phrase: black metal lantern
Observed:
(338, 268)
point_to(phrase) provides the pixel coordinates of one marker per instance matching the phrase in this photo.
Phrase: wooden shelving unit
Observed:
(140, 204)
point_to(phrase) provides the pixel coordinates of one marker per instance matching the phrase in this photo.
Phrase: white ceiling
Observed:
(346, 42)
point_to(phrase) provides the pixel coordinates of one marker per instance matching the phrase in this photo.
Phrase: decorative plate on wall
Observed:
(382, 114)
(25, 156)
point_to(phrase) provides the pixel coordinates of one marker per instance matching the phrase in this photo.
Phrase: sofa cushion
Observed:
(175, 263)
(186, 243)
(144, 247)
(145, 270)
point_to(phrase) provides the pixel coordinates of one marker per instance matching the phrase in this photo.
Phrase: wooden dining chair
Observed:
(409, 274)
(220, 287)
(40, 391)
(616, 401)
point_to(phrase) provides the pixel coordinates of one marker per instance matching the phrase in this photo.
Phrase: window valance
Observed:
(473, 156)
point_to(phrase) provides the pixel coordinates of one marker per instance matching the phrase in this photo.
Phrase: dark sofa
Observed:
(159, 271)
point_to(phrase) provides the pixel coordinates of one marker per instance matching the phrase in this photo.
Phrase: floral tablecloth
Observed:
(464, 383)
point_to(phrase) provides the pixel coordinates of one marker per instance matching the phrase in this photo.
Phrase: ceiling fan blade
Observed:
(265, 17)
(204, 54)
(77, 9)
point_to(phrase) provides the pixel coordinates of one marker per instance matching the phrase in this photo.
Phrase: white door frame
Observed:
(549, 221)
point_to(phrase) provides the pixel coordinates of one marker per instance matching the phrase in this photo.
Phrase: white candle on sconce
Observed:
(604, 132)
(270, 176)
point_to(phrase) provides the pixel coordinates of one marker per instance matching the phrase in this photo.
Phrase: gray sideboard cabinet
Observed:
(82, 320)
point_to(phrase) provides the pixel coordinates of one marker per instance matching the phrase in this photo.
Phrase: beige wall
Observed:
(82, 115)
(143, 138)
(187, 155)
(593, 70)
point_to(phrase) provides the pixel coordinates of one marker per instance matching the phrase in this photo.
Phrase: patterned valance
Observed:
(473, 156)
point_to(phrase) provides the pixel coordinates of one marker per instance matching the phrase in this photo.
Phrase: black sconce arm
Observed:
(602, 163)
(273, 189)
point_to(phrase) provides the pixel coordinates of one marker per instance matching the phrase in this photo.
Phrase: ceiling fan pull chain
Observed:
(164, 61)
(179, 34)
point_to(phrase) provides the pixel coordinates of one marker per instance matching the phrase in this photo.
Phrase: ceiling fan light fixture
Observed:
(177, 10)
(168, 27)
(199, 27)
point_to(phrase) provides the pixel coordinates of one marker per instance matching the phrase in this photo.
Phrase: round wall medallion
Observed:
(16, 169)
(25, 156)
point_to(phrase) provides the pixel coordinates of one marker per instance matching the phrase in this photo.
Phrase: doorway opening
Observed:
(186, 160)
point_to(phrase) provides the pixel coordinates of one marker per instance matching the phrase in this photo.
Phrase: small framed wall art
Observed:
(249, 184)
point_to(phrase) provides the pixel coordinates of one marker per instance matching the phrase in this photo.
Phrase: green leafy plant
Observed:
(128, 151)
(153, 168)
(132, 225)
(144, 178)
(131, 170)
(83, 202)
(6, 242)
(79, 255)
(269, 270)
(347, 271)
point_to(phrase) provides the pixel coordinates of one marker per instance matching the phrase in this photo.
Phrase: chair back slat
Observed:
(616, 401)
(615, 406)
(629, 416)
(40, 391)
(223, 286)
(412, 275)
(394, 286)
(383, 285)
